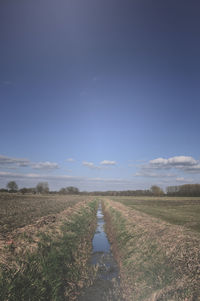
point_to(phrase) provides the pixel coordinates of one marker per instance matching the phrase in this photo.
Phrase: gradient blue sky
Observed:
(114, 85)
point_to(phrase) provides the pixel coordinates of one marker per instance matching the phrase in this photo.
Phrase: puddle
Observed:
(106, 284)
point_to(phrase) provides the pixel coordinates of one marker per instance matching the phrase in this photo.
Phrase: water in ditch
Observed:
(106, 284)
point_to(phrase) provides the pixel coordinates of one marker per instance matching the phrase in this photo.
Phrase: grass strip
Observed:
(182, 211)
(57, 269)
(153, 266)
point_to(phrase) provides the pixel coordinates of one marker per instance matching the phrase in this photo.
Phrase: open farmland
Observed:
(159, 257)
(183, 211)
(17, 210)
(44, 253)
(46, 259)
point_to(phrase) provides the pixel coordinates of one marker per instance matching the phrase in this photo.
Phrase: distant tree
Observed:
(63, 191)
(184, 190)
(69, 190)
(42, 187)
(23, 190)
(173, 190)
(12, 186)
(156, 190)
(32, 190)
(3, 190)
(72, 190)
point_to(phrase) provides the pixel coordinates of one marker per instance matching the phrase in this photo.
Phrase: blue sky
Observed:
(114, 85)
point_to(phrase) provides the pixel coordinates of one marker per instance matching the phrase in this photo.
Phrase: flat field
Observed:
(156, 247)
(183, 211)
(17, 210)
(45, 247)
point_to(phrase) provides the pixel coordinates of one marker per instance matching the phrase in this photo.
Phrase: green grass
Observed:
(58, 268)
(182, 211)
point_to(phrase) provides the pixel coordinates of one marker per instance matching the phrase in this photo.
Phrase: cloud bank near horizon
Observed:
(9, 162)
(58, 181)
(103, 164)
(184, 163)
(179, 166)
(160, 171)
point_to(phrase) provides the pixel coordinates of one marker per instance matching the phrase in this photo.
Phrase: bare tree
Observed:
(42, 187)
(63, 191)
(72, 190)
(156, 190)
(184, 190)
(69, 190)
(12, 186)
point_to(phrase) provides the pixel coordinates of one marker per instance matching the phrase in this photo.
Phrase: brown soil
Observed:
(26, 238)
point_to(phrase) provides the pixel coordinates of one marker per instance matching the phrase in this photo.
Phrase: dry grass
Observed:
(158, 260)
(18, 210)
(182, 211)
(47, 260)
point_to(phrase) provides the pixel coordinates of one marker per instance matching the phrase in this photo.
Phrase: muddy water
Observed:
(106, 284)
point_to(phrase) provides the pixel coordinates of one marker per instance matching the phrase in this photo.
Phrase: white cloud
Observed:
(193, 169)
(182, 179)
(177, 161)
(38, 176)
(158, 168)
(104, 164)
(71, 160)
(13, 163)
(45, 165)
(90, 165)
(8, 161)
(150, 174)
(10, 174)
(158, 162)
(181, 163)
(58, 181)
(107, 162)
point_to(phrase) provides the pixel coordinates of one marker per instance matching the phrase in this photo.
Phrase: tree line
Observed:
(43, 188)
(184, 190)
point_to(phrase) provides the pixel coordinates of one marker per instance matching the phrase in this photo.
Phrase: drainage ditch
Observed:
(106, 283)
